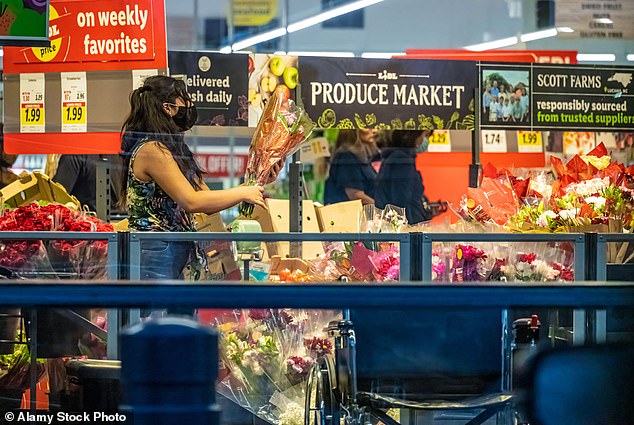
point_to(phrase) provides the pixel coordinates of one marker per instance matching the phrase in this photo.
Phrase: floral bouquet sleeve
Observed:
(281, 130)
(267, 355)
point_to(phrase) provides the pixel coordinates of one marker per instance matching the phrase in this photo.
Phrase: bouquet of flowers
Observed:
(267, 355)
(282, 128)
(83, 259)
(535, 262)
(468, 263)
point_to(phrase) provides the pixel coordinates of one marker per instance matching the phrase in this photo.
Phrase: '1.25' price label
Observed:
(32, 115)
(74, 113)
(529, 141)
(439, 141)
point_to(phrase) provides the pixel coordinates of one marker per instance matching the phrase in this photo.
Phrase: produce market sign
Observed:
(217, 83)
(603, 19)
(583, 98)
(388, 94)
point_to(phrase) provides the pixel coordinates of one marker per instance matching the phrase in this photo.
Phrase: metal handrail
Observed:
(403, 295)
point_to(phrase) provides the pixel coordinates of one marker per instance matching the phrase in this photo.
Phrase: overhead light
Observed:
(538, 35)
(378, 55)
(630, 57)
(565, 29)
(324, 54)
(495, 44)
(279, 53)
(596, 57)
(226, 49)
(603, 21)
(260, 38)
(329, 14)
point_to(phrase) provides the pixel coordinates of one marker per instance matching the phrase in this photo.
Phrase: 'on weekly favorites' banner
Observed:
(217, 84)
(96, 35)
(583, 97)
(390, 94)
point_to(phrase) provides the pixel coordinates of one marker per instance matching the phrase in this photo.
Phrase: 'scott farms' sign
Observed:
(391, 94)
(583, 98)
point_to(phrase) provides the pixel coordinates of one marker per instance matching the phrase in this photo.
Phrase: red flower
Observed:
(528, 258)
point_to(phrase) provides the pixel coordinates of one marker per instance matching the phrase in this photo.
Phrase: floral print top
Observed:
(150, 209)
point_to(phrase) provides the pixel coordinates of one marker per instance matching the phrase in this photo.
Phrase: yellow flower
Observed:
(598, 162)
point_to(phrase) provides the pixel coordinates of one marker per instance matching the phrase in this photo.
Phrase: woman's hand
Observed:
(275, 171)
(253, 195)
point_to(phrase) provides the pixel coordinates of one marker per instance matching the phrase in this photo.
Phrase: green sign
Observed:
(24, 22)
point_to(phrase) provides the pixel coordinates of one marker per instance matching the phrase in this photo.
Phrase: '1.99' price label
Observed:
(529, 141)
(439, 141)
(32, 103)
(74, 101)
(32, 115)
(74, 113)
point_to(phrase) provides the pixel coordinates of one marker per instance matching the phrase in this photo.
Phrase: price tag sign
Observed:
(139, 76)
(32, 103)
(313, 149)
(493, 141)
(74, 101)
(529, 141)
(439, 141)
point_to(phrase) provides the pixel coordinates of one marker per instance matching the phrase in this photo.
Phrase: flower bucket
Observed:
(9, 324)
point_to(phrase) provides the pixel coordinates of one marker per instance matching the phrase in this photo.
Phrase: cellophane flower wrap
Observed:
(59, 258)
(267, 355)
(511, 262)
(281, 130)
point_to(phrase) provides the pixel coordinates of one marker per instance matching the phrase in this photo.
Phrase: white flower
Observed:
(598, 202)
(542, 220)
(293, 415)
(544, 270)
(588, 187)
(569, 214)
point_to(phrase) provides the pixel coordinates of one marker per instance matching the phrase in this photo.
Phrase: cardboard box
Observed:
(36, 187)
(342, 217)
(276, 219)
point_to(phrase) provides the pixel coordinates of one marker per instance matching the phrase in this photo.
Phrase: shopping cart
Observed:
(445, 362)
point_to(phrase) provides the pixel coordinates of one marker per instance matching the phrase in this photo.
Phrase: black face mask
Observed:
(186, 117)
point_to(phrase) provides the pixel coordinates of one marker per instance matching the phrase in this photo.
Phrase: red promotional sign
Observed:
(526, 56)
(218, 165)
(96, 35)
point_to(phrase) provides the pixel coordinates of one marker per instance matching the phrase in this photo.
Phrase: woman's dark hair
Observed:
(405, 138)
(348, 140)
(148, 121)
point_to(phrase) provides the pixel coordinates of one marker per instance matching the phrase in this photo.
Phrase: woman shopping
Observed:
(163, 184)
(399, 183)
(352, 175)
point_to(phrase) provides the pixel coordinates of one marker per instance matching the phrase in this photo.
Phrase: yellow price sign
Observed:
(32, 115)
(529, 141)
(74, 113)
(440, 141)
